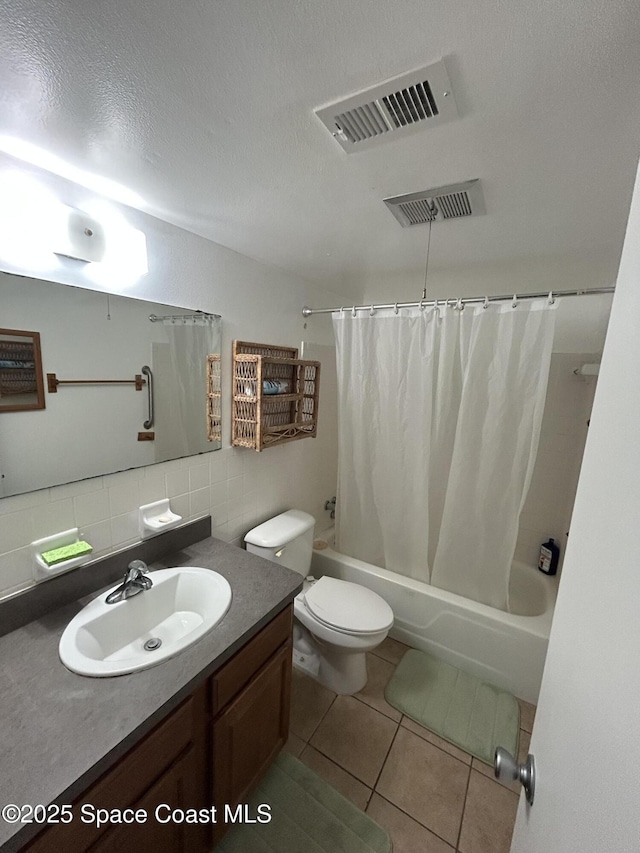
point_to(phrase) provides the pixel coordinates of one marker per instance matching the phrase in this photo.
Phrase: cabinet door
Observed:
(164, 754)
(251, 732)
(177, 789)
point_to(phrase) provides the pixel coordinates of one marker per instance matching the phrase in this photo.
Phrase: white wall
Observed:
(549, 504)
(521, 275)
(239, 487)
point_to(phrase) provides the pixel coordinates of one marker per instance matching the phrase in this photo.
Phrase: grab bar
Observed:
(147, 372)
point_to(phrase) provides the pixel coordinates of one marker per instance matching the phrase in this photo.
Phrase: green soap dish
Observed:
(65, 553)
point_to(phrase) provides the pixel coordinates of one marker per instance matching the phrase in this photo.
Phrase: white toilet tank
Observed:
(286, 539)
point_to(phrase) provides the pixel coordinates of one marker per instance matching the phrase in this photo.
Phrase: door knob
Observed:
(506, 767)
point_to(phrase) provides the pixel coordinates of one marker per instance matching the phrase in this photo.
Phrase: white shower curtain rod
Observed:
(461, 302)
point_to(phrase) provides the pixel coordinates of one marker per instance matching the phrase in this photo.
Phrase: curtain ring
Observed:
(353, 312)
(551, 298)
(485, 304)
(371, 311)
(395, 308)
(421, 305)
(459, 305)
(436, 309)
(514, 303)
(342, 311)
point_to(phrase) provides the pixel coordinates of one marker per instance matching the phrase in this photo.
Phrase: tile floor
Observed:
(430, 796)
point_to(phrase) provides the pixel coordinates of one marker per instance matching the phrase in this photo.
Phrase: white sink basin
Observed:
(109, 639)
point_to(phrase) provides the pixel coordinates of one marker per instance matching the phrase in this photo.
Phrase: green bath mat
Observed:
(468, 712)
(307, 816)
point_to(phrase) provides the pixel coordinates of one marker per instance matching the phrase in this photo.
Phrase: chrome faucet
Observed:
(330, 507)
(135, 581)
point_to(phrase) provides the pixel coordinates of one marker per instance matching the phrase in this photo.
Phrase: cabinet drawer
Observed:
(233, 676)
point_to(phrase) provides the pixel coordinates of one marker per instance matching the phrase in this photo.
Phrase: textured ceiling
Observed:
(205, 109)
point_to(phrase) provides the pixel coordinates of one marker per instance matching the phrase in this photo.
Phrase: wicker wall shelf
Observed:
(214, 411)
(261, 420)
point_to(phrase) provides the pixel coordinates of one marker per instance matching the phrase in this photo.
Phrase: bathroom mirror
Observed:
(120, 391)
(21, 388)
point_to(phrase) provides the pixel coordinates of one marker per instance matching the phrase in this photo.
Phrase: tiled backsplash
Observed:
(237, 487)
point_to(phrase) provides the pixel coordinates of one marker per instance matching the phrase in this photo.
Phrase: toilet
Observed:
(335, 622)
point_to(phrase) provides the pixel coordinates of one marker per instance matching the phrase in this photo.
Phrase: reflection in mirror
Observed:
(21, 386)
(109, 361)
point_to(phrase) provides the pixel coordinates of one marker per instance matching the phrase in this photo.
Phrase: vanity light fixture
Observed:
(80, 237)
(35, 227)
(125, 249)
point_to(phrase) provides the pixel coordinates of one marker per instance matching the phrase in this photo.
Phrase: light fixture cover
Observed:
(81, 238)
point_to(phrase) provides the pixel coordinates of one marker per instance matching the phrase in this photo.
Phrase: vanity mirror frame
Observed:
(37, 368)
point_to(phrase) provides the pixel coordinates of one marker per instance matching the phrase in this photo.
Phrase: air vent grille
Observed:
(403, 104)
(410, 105)
(418, 212)
(438, 205)
(362, 122)
(456, 204)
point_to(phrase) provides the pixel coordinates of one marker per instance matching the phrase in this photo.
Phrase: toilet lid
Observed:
(348, 606)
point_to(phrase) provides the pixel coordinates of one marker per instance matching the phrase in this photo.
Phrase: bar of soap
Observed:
(66, 552)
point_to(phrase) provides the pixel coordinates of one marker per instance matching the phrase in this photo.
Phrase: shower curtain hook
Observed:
(514, 303)
(395, 308)
(459, 305)
(421, 306)
(371, 312)
(436, 309)
(485, 304)
(342, 311)
(353, 312)
(551, 298)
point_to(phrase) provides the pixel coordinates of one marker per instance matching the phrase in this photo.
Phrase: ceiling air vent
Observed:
(438, 204)
(401, 105)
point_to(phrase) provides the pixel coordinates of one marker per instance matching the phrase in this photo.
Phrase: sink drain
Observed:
(152, 644)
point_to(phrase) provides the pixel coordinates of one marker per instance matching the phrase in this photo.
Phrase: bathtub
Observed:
(505, 649)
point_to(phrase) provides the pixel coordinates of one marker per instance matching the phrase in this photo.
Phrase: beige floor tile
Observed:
(338, 778)
(426, 783)
(489, 816)
(523, 751)
(391, 650)
(407, 835)
(527, 715)
(436, 740)
(379, 672)
(356, 737)
(294, 745)
(310, 701)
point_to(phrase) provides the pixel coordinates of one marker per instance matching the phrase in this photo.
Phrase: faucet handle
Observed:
(135, 569)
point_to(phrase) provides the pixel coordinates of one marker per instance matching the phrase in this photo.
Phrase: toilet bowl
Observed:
(336, 622)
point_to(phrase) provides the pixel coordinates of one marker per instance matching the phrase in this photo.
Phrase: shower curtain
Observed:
(183, 385)
(439, 415)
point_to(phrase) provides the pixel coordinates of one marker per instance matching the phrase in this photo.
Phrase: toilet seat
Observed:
(347, 607)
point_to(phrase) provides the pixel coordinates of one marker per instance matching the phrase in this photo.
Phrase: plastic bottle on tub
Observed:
(549, 554)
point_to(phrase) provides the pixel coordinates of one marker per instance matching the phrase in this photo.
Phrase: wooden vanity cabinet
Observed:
(168, 766)
(210, 751)
(254, 723)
